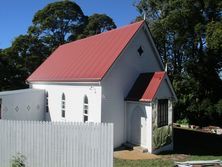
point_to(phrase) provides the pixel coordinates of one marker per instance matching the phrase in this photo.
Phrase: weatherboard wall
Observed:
(74, 95)
(121, 77)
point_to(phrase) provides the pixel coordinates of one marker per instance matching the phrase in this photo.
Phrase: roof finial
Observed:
(166, 67)
(144, 15)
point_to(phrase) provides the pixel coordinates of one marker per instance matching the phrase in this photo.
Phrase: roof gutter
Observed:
(97, 83)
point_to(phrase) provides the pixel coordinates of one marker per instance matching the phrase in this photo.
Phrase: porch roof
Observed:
(145, 87)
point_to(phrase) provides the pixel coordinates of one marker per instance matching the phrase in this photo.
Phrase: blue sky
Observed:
(16, 15)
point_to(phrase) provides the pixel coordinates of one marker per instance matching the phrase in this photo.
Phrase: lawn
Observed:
(163, 161)
(143, 163)
(188, 145)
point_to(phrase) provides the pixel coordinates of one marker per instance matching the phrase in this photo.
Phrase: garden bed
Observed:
(208, 129)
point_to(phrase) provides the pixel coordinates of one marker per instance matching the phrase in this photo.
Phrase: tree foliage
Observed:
(58, 23)
(188, 37)
(4, 68)
(214, 35)
(98, 23)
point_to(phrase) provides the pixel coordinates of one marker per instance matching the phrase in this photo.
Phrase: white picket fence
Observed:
(57, 144)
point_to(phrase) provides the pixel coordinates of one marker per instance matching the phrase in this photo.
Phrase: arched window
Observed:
(63, 105)
(85, 108)
(47, 102)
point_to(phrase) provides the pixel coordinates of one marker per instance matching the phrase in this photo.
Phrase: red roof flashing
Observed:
(87, 59)
(145, 87)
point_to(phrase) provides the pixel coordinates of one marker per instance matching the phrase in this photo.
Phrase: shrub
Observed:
(18, 160)
(183, 121)
(161, 136)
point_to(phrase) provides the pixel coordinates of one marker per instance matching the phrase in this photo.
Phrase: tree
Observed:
(20, 60)
(58, 23)
(214, 35)
(4, 71)
(96, 24)
(188, 37)
(9, 74)
(29, 52)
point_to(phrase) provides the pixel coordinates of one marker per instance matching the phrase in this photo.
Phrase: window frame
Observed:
(47, 102)
(63, 105)
(162, 112)
(0, 108)
(85, 109)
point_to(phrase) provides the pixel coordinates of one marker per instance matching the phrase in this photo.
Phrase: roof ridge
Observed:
(106, 32)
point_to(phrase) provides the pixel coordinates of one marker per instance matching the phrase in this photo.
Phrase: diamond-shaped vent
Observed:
(16, 108)
(28, 107)
(140, 50)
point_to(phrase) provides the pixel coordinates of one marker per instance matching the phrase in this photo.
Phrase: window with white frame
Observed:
(0, 108)
(47, 102)
(85, 109)
(63, 105)
(162, 112)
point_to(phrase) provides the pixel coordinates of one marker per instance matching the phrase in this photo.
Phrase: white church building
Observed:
(116, 76)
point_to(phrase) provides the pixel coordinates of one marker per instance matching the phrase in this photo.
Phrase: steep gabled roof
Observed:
(145, 87)
(87, 59)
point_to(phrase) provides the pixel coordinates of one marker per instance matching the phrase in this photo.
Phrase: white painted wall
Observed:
(147, 109)
(74, 94)
(164, 91)
(121, 77)
(26, 104)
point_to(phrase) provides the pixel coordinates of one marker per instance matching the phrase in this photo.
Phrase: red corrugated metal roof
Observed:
(87, 59)
(145, 87)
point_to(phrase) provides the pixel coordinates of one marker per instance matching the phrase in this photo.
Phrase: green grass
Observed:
(143, 163)
(163, 161)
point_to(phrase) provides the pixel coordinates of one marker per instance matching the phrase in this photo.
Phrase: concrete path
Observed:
(133, 155)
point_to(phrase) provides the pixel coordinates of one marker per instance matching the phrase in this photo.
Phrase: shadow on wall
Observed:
(135, 125)
(196, 143)
(48, 116)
